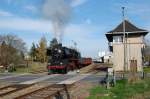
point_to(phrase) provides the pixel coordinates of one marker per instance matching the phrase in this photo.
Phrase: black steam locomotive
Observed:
(62, 59)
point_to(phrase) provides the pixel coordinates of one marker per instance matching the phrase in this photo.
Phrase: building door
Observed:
(133, 65)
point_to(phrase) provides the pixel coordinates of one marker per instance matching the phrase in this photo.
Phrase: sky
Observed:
(89, 21)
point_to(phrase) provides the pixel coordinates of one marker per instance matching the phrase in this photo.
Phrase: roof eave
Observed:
(134, 32)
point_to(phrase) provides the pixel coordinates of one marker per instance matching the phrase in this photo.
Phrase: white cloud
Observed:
(5, 13)
(88, 21)
(31, 8)
(90, 47)
(90, 38)
(21, 24)
(76, 3)
(83, 29)
(24, 24)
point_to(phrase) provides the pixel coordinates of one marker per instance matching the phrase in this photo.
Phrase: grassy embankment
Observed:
(33, 67)
(147, 69)
(123, 90)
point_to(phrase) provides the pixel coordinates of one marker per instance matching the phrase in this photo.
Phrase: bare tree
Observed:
(12, 49)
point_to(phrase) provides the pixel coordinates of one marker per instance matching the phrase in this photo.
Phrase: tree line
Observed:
(13, 51)
(38, 51)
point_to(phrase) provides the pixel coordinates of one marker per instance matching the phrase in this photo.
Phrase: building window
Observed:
(117, 39)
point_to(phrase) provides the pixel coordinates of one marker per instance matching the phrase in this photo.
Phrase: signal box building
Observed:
(132, 49)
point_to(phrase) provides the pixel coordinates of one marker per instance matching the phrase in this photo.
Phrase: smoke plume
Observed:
(58, 11)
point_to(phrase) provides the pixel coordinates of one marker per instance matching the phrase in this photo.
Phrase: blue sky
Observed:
(90, 20)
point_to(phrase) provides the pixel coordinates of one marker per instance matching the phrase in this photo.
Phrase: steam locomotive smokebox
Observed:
(53, 44)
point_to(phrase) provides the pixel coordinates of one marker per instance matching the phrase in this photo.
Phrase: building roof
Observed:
(130, 29)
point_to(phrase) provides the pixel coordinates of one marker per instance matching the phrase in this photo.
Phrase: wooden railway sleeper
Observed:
(12, 88)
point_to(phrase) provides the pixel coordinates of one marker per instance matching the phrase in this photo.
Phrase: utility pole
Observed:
(124, 39)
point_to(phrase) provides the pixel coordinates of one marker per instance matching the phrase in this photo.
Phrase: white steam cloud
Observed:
(59, 12)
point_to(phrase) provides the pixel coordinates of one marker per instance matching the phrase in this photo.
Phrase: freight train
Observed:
(62, 59)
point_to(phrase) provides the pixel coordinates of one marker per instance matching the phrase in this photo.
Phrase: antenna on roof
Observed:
(123, 18)
(124, 37)
(123, 8)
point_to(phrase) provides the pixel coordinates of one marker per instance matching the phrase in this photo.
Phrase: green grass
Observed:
(22, 70)
(122, 90)
(147, 69)
(34, 66)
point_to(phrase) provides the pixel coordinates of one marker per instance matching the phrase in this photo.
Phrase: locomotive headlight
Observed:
(59, 51)
(61, 63)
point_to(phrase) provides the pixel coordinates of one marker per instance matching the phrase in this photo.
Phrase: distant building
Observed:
(106, 57)
(134, 44)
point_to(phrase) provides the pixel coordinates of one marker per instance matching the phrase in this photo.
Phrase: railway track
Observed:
(4, 84)
(39, 90)
(34, 91)
(95, 68)
(51, 91)
(12, 88)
